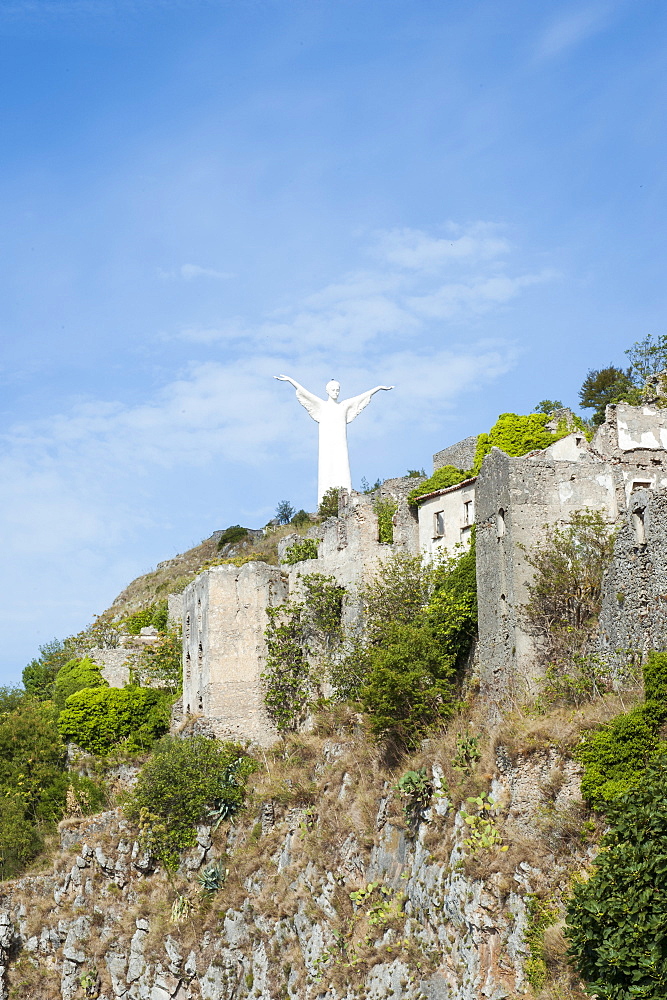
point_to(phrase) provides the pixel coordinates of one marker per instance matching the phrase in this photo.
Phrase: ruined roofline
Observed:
(447, 489)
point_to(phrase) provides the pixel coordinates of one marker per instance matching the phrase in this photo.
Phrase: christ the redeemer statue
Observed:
(333, 417)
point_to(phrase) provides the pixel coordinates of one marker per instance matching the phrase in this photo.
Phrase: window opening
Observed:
(439, 524)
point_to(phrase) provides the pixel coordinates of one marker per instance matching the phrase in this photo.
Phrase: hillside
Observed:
(343, 878)
(172, 575)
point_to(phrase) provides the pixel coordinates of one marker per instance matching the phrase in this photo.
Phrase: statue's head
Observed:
(333, 389)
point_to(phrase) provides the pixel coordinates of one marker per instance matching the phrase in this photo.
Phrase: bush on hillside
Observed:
(180, 785)
(34, 781)
(616, 756)
(155, 615)
(100, 719)
(235, 533)
(420, 619)
(300, 518)
(40, 674)
(409, 684)
(616, 919)
(74, 676)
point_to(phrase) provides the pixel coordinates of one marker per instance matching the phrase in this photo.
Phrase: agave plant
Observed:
(212, 878)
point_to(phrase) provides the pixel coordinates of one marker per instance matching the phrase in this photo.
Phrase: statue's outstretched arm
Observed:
(308, 400)
(355, 404)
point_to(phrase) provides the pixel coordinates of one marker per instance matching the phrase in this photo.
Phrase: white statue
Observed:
(333, 418)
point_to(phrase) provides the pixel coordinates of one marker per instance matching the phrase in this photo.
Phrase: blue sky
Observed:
(466, 199)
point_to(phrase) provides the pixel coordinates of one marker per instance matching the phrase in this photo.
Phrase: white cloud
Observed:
(416, 250)
(190, 271)
(416, 278)
(569, 30)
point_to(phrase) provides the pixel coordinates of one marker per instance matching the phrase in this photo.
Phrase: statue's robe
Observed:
(333, 468)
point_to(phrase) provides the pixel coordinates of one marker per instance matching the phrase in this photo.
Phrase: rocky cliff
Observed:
(336, 884)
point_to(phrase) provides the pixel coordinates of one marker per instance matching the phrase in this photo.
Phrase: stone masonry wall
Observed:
(224, 619)
(516, 498)
(634, 605)
(461, 455)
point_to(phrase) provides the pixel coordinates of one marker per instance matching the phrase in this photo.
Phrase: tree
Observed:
(284, 512)
(565, 594)
(300, 518)
(606, 385)
(329, 504)
(548, 406)
(617, 919)
(40, 674)
(74, 676)
(647, 357)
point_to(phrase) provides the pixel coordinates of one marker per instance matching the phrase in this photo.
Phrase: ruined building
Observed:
(622, 473)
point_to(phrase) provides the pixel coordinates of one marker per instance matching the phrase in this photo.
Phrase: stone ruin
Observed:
(622, 473)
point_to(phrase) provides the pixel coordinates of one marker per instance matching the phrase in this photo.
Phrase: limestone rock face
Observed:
(380, 908)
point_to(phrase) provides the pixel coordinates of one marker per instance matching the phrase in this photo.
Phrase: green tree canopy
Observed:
(617, 920)
(603, 386)
(516, 435)
(76, 675)
(40, 674)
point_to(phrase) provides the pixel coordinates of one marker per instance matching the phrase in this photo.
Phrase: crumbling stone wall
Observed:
(224, 649)
(634, 605)
(461, 455)
(349, 551)
(515, 499)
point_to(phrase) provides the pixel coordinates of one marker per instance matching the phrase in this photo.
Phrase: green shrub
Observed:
(655, 678)
(615, 756)
(40, 674)
(155, 615)
(329, 504)
(162, 663)
(441, 479)
(301, 517)
(74, 676)
(181, 781)
(516, 435)
(409, 684)
(34, 782)
(616, 919)
(20, 838)
(99, 719)
(565, 594)
(235, 533)
(305, 549)
(421, 620)
(437, 605)
(384, 511)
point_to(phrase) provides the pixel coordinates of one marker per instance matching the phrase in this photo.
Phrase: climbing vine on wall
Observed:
(301, 636)
(516, 435)
(385, 510)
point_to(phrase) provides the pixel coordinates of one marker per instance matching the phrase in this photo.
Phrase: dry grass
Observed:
(525, 733)
(183, 568)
